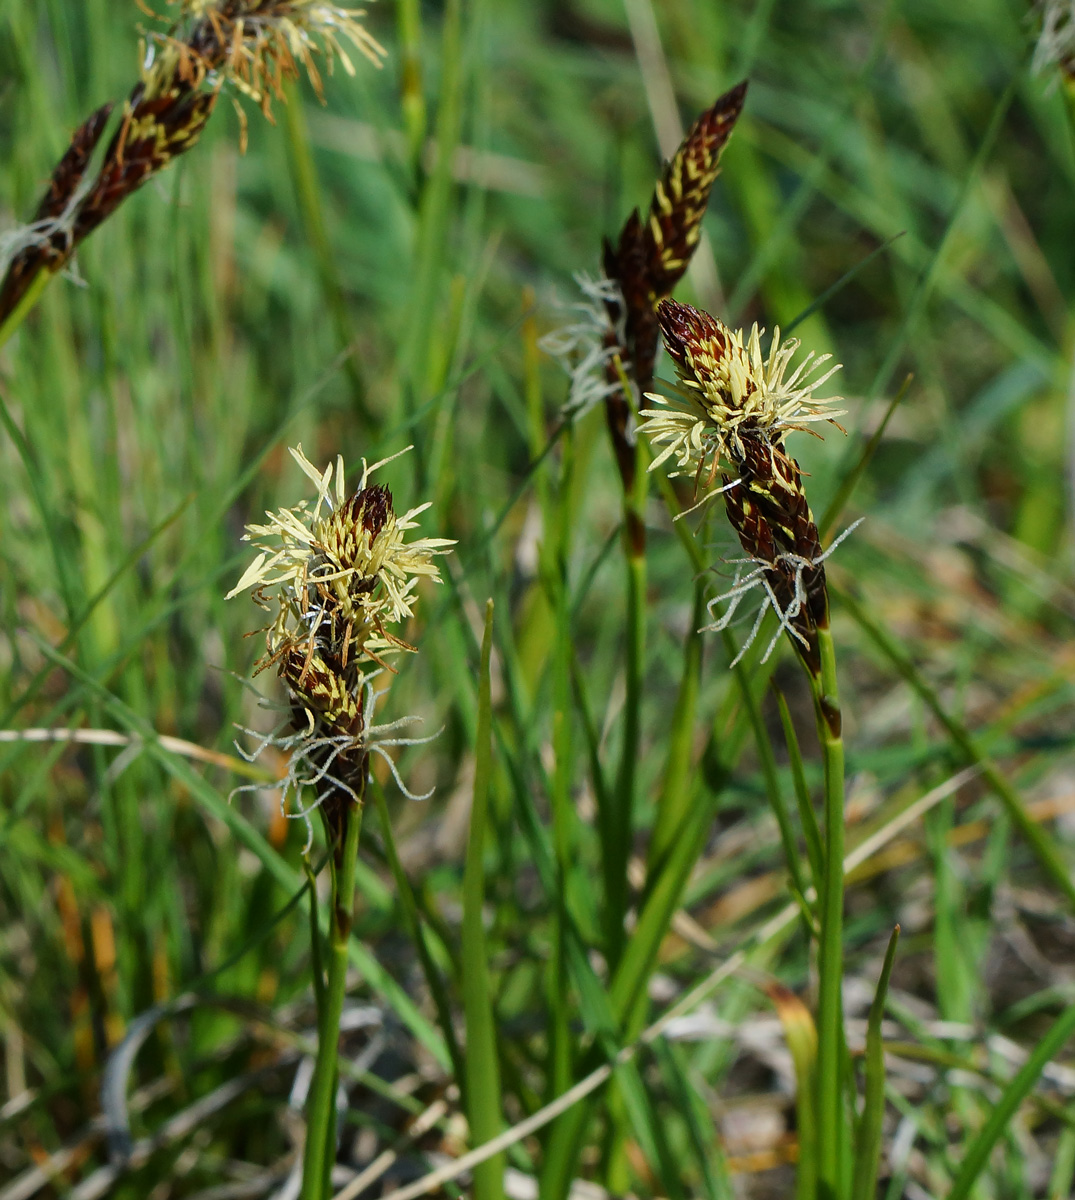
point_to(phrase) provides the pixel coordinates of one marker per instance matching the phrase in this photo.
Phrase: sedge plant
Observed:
(726, 428)
(610, 356)
(337, 579)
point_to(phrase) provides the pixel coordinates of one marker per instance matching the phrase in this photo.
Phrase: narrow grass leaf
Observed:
(413, 920)
(1031, 831)
(807, 815)
(869, 1131)
(800, 1033)
(482, 1069)
(978, 1152)
(240, 828)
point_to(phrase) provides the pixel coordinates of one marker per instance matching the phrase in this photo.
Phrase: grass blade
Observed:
(868, 1134)
(1038, 841)
(800, 1033)
(979, 1150)
(483, 1074)
(807, 816)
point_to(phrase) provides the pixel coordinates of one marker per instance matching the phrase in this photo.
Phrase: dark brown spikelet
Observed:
(154, 131)
(686, 331)
(635, 355)
(53, 249)
(70, 169)
(374, 504)
(682, 193)
(628, 265)
(324, 693)
(769, 511)
(255, 43)
(650, 257)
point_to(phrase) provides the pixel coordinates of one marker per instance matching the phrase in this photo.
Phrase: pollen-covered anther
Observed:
(342, 571)
(728, 391)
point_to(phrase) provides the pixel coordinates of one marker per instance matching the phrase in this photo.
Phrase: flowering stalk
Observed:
(618, 345)
(334, 578)
(734, 409)
(253, 46)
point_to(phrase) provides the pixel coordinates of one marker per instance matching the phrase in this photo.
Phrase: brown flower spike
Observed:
(735, 410)
(652, 256)
(253, 45)
(335, 578)
(642, 267)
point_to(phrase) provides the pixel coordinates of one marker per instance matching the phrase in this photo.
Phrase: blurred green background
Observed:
(376, 273)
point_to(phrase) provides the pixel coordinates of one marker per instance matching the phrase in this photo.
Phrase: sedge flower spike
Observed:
(335, 575)
(610, 355)
(730, 390)
(734, 411)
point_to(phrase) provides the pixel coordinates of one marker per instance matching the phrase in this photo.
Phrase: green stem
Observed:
(830, 951)
(412, 97)
(563, 813)
(313, 215)
(412, 918)
(767, 761)
(622, 826)
(870, 1130)
(317, 965)
(675, 796)
(321, 1105)
(807, 816)
(482, 1062)
(33, 294)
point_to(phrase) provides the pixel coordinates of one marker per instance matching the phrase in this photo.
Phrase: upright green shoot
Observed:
(483, 1074)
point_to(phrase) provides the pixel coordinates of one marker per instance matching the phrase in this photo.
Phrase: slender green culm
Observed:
(807, 816)
(320, 1149)
(483, 1073)
(831, 948)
